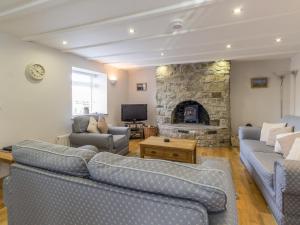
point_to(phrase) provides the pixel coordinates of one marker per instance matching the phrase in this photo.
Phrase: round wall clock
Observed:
(35, 71)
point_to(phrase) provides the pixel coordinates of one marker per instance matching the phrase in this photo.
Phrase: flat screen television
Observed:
(133, 112)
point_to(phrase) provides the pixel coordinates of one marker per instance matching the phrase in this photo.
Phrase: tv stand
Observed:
(136, 129)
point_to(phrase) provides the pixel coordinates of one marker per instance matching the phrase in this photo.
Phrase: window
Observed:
(89, 92)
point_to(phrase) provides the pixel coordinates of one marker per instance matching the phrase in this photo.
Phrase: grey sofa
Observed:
(277, 178)
(115, 141)
(55, 185)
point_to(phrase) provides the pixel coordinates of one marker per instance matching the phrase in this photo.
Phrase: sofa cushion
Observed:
(57, 158)
(89, 147)
(274, 132)
(81, 123)
(120, 141)
(264, 165)
(294, 153)
(286, 142)
(102, 125)
(266, 130)
(93, 126)
(197, 183)
(248, 146)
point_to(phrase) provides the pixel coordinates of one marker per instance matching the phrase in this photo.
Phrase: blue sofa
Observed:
(277, 178)
(55, 185)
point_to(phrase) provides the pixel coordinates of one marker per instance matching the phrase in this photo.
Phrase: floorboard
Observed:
(252, 208)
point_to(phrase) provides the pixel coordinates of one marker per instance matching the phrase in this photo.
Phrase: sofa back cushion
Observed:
(292, 121)
(286, 142)
(274, 132)
(81, 123)
(294, 153)
(266, 130)
(56, 158)
(192, 182)
(93, 126)
(102, 125)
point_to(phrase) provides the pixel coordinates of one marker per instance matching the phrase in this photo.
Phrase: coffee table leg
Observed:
(142, 151)
(195, 155)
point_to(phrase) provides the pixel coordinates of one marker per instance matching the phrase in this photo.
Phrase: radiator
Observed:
(63, 140)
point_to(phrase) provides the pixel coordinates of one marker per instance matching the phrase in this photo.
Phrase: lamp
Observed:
(281, 77)
(113, 80)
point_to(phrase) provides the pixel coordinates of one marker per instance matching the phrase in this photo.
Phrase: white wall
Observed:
(43, 110)
(144, 75)
(295, 86)
(117, 94)
(261, 104)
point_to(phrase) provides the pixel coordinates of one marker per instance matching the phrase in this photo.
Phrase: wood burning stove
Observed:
(190, 112)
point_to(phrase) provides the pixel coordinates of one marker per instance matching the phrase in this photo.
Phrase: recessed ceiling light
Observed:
(162, 54)
(278, 40)
(237, 11)
(228, 46)
(131, 30)
(64, 42)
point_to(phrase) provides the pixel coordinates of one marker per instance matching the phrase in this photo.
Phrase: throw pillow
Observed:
(294, 153)
(92, 127)
(287, 142)
(277, 145)
(266, 129)
(102, 125)
(275, 131)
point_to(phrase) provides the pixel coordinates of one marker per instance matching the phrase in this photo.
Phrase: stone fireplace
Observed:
(193, 102)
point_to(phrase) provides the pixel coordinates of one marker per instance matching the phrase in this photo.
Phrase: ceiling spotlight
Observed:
(228, 46)
(176, 25)
(237, 11)
(278, 40)
(162, 54)
(131, 30)
(64, 42)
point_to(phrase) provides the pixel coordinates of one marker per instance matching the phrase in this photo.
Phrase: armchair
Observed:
(115, 141)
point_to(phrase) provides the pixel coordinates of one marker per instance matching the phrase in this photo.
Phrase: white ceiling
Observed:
(98, 29)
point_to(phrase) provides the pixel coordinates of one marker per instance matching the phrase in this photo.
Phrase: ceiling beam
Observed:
(22, 7)
(182, 32)
(220, 52)
(183, 6)
(207, 59)
(224, 42)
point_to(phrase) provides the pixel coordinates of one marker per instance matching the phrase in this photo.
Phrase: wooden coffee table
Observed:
(181, 150)
(6, 156)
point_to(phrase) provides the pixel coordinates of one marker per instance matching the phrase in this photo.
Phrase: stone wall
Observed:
(206, 83)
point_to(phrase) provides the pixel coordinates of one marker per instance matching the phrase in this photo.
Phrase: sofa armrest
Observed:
(287, 186)
(119, 130)
(104, 142)
(6, 190)
(250, 133)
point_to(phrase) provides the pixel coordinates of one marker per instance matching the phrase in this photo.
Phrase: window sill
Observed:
(73, 116)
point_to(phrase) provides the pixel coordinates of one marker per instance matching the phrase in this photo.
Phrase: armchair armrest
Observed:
(104, 142)
(287, 186)
(119, 130)
(250, 133)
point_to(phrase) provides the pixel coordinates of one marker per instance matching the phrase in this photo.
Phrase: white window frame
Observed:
(91, 74)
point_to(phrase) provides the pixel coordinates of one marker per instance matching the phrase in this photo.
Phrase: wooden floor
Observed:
(252, 208)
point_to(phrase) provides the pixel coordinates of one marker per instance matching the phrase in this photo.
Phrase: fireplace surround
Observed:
(193, 102)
